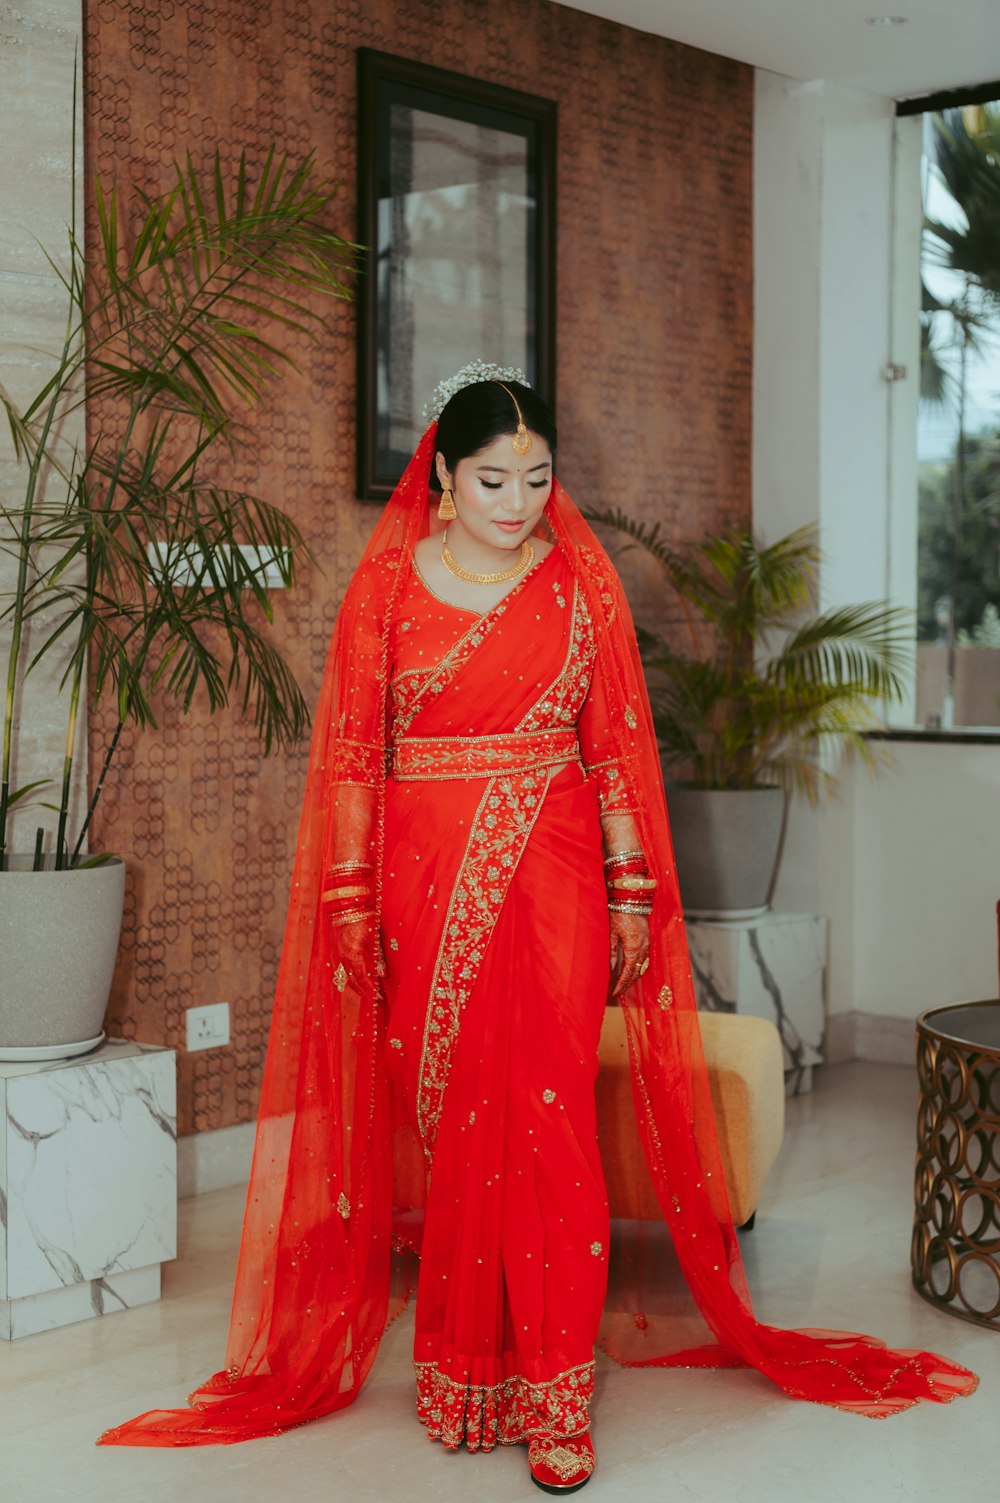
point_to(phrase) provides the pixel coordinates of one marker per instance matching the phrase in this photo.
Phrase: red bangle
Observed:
(626, 866)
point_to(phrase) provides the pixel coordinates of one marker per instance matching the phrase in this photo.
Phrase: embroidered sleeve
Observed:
(604, 760)
(356, 753)
(611, 790)
(354, 766)
(356, 762)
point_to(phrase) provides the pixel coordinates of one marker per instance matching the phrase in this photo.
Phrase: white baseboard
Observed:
(838, 1038)
(214, 1160)
(876, 1037)
(885, 1040)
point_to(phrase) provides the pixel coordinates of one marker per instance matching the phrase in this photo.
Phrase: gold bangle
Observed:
(632, 883)
(348, 892)
(621, 856)
(348, 866)
(642, 909)
(353, 917)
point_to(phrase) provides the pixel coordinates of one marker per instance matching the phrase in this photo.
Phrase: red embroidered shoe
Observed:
(561, 1466)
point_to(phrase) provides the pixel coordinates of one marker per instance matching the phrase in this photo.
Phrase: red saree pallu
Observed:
(429, 1087)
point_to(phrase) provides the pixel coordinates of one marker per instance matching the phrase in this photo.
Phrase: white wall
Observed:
(823, 215)
(904, 395)
(926, 880)
(854, 284)
(788, 155)
(905, 866)
(823, 247)
(37, 47)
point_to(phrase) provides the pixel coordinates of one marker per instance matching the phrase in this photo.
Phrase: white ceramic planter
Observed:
(59, 936)
(727, 845)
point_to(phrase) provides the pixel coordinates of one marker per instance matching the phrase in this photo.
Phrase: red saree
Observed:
(498, 1072)
(439, 1099)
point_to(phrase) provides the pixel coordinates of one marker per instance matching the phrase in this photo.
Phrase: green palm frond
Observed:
(967, 156)
(776, 578)
(194, 300)
(763, 687)
(865, 647)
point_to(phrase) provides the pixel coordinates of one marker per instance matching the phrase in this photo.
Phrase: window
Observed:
(958, 424)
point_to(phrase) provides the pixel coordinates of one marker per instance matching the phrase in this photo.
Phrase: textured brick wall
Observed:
(654, 357)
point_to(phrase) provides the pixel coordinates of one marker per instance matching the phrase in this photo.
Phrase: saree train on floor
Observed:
(471, 755)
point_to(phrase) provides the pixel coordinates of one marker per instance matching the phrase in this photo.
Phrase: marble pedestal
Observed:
(774, 967)
(88, 1180)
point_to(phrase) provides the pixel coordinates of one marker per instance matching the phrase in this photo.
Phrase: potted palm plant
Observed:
(125, 560)
(743, 708)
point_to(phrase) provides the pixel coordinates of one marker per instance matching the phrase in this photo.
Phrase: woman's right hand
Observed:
(357, 946)
(629, 950)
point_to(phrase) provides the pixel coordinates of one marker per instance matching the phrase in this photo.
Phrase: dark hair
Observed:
(482, 412)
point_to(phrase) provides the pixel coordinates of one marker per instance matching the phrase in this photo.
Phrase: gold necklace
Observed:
(522, 563)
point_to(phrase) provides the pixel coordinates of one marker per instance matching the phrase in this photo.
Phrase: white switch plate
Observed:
(207, 1027)
(187, 565)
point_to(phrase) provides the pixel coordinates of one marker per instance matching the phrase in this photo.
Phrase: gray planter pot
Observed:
(727, 844)
(58, 937)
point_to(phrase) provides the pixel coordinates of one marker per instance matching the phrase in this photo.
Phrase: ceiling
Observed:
(946, 44)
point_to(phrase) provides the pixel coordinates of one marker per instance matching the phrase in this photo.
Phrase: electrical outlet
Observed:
(207, 1027)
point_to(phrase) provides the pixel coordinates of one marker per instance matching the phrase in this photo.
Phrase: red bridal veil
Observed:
(323, 1260)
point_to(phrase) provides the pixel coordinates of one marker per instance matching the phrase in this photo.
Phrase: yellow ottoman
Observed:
(747, 1082)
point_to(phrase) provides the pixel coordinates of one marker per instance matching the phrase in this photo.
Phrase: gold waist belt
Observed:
(423, 758)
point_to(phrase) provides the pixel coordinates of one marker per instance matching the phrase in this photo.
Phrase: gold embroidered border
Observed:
(408, 695)
(540, 765)
(612, 789)
(421, 758)
(405, 688)
(563, 700)
(356, 762)
(500, 830)
(508, 1412)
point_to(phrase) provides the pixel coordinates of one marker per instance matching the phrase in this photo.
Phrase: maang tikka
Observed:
(521, 442)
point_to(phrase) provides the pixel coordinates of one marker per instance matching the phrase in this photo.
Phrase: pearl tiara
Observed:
(476, 370)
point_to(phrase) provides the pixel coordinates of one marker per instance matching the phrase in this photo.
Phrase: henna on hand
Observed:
(629, 948)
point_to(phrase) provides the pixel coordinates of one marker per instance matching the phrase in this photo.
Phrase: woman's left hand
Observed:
(629, 949)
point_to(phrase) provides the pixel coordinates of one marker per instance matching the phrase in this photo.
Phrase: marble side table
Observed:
(88, 1176)
(774, 967)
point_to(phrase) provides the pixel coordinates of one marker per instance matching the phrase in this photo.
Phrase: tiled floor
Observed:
(830, 1248)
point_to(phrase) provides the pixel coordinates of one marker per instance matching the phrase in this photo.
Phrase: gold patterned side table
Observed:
(956, 1225)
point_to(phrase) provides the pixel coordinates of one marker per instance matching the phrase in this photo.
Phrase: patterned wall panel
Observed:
(654, 358)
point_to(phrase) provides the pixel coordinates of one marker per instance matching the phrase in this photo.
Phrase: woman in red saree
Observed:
(483, 855)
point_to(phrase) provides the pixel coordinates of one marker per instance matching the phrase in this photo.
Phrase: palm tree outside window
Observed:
(958, 675)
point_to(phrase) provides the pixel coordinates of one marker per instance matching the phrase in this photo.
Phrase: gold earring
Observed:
(446, 510)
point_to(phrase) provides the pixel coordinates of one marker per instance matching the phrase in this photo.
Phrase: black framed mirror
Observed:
(456, 207)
